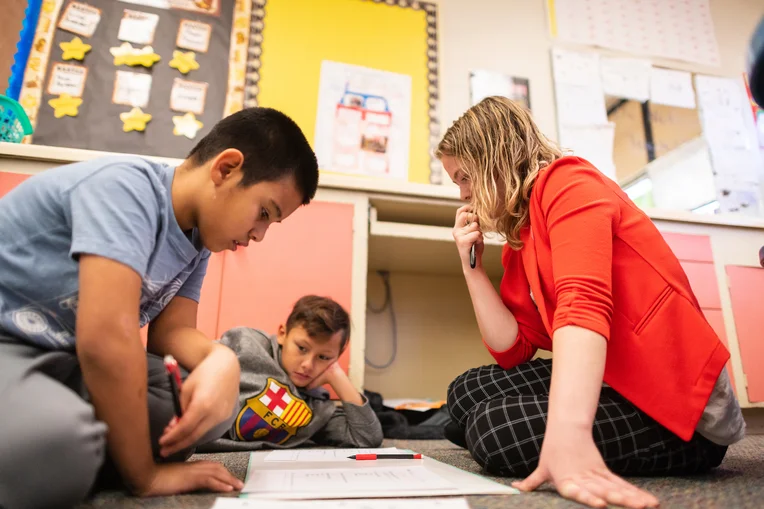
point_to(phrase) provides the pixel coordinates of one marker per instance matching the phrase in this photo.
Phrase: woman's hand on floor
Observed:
(576, 469)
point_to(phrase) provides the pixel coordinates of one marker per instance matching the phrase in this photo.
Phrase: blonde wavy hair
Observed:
(501, 150)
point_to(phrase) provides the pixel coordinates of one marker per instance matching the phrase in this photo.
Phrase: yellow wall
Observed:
(300, 34)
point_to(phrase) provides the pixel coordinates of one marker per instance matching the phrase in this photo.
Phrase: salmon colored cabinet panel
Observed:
(692, 248)
(747, 295)
(715, 318)
(309, 253)
(702, 276)
(10, 180)
(209, 300)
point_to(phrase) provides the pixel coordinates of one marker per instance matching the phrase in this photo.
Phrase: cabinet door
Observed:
(309, 253)
(697, 259)
(747, 293)
(10, 180)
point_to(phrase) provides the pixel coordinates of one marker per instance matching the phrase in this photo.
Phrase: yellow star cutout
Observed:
(127, 55)
(187, 126)
(185, 62)
(75, 49)
(134, 120)
(65, 106)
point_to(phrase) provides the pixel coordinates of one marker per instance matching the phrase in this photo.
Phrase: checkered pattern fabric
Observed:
(503, 414)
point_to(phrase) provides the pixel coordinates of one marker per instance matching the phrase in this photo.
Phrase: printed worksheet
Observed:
(430, 503)
(325, 455)
(343, 481)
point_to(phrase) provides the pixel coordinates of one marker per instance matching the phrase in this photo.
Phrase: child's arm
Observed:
(354, 424)
(211, 390)
(113, 365)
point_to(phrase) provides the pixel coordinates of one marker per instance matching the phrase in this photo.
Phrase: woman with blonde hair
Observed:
(585, 272)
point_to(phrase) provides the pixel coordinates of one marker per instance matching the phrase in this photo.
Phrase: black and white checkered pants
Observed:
(503, 415)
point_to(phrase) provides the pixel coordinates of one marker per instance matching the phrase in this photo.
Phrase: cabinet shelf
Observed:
(404, 247)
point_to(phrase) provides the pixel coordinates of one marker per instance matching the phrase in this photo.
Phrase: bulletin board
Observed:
(291, 38)
(212, 88)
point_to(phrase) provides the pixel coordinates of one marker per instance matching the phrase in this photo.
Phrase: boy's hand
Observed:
(175, 478)
(327, 376)
(208, 397)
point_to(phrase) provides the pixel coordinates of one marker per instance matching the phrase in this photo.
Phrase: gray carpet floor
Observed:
(737, 483)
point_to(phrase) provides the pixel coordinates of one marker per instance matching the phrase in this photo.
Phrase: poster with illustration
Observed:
(488, 83)
(363, 121)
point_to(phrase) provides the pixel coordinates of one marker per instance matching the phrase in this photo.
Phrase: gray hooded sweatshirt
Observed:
(274, 413)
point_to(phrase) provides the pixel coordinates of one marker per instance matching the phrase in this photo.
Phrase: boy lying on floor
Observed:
(282, 404)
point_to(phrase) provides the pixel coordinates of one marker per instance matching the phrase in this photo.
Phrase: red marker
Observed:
(362, 457)
(173, 373)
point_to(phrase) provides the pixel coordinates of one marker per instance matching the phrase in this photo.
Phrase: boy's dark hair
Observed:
(273, 146)
(321, 317)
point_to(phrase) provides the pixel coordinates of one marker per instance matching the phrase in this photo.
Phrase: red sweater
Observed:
(591, 258)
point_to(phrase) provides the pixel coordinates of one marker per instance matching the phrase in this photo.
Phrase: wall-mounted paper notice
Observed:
(138, 27)
(81, 19)
(594, 143)
(672, 88)
(67, 79)
(628, 78)
(578, 88)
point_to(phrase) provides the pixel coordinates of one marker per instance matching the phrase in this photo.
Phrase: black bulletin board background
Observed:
(98, 126)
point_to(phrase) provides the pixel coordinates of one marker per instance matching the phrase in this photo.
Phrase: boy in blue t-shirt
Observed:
(92, 251)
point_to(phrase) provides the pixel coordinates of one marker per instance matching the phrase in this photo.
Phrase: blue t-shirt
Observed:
(117, 207)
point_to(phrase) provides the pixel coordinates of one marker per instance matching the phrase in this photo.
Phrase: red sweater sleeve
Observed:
(515, 293)
(581, 213)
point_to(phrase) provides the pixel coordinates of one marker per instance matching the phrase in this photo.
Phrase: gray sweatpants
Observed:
(51, 444)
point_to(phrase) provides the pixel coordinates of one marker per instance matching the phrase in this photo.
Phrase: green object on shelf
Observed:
(14, 122)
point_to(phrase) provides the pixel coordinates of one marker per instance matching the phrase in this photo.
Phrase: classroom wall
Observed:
(13, 16)
(512, 36)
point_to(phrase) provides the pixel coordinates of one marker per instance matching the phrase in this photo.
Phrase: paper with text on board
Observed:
(430, 503)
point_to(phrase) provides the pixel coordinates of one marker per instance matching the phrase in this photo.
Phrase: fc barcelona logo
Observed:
(273, 416)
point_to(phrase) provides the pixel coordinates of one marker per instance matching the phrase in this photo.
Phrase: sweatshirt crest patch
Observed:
(272, 416)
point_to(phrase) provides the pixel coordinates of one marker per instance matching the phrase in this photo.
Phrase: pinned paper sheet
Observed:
(578, 88)
(430, 503)
(74, 49)
(132, 89)
(81, 19)
(628, 78)
(672, 88)
(194, 35)
(67, 79)
(138, 27)
(593, 143)
(65, 106)
(188, 96)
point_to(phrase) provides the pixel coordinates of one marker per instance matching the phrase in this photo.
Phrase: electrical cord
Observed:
(388, 303)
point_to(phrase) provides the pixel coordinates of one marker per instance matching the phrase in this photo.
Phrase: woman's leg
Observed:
(494, 382)
(504, 436)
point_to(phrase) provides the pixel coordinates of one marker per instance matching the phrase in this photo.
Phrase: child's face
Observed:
(304, 358)
(233, 215)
